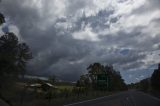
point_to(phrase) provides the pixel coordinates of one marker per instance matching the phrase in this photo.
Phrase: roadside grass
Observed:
(65, 94)
(153, 92)
(62, 87)
(65, 100)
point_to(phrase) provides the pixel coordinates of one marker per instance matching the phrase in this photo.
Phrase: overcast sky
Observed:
(66, 36)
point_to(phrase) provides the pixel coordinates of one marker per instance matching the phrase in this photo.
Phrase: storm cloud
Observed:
(66, 36)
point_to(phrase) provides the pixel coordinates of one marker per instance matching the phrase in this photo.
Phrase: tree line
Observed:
(106, 74)
(149, 84)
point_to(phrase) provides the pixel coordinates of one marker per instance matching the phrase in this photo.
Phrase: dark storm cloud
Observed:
(96, 21)
(48, 47)
(51, 28)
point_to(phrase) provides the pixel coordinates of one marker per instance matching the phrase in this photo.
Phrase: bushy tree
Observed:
(83, 81)
(13, 55)
(155, 78)
(2, 19)
(144, 84)
(93, 70)
(13, 58)
(52, 79)
(115, 81)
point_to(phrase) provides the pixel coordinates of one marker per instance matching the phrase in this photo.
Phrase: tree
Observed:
(13, 55)
(78, 84)
(144, 84)
(24, 54)
(93, 70)
(8, 50)
(83, 81)
(13, 58)
(155, 78)
(110, 76)
(116, 81)
(2, 20)
(52, 78)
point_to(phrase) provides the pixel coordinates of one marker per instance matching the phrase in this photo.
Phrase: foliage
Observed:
(93, 70)
(83, 81)
(134, 85)
(13, 55)
(2, 20)
(70, 87)
(155, 78)
(115, 80)
(144, 84)
(148, 84)
(52, 79)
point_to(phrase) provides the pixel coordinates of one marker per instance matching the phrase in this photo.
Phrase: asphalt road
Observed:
(128, 98)
(2, 103)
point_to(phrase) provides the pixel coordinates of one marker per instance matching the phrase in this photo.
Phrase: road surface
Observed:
(2, 103)
(128, 98)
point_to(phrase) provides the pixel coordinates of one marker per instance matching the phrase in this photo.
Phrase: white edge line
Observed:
(90, 100)
(86, 101)
(133, 100)
(155, 98)
(109, 96)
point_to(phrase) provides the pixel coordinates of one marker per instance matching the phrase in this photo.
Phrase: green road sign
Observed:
(102, 81)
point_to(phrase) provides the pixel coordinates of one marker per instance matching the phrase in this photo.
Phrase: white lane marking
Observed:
(87, 101)
(150, 96)
(133, 100)
(93, 99)
(111, 96)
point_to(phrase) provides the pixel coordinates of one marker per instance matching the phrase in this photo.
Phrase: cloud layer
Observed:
(67, 35)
